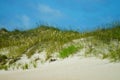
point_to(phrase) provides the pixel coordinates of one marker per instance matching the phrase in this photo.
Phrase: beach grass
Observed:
(13, 44)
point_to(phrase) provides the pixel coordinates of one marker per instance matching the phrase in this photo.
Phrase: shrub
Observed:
(3, 58)
(65, 52)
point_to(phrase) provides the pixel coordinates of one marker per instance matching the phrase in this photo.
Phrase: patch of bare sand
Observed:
(68, 69)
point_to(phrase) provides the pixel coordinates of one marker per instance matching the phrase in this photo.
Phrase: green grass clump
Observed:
(65, 52)
(3, 61)
(4, 67)
(114, 55)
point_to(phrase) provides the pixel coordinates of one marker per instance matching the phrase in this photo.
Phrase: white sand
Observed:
(68, 69)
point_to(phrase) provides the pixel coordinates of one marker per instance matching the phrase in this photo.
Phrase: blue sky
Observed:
(85, 15)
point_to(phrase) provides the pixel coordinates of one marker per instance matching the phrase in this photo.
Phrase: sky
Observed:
(83, 15)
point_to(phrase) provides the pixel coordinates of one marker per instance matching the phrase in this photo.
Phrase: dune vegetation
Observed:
(103, 43)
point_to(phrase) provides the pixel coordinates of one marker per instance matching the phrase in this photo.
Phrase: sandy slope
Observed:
(68, 69)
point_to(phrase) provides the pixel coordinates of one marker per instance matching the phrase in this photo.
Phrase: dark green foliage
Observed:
(26, 66)
(3, 67)
(16, 30)
(3, 59)
(3, 29)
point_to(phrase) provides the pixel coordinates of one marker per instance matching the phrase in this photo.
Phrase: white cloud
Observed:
(25, 20)
(48, 11)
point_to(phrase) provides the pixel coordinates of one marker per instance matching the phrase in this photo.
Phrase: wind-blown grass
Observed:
(107, 34)
(42, 38)
(51, 39)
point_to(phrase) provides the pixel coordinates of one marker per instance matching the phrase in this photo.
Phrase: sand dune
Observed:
(68, 69)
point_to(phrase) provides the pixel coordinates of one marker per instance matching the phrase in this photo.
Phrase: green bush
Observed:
(3, 59)
(65, 52)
